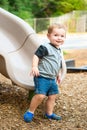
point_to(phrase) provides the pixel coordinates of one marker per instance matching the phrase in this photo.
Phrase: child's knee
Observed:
(52, 97)
(41, 96)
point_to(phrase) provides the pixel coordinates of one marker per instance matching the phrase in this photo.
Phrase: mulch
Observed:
(71, 103)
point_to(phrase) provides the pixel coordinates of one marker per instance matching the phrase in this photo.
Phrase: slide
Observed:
(18, 41)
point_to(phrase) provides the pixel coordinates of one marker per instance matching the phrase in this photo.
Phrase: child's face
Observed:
(57, 36)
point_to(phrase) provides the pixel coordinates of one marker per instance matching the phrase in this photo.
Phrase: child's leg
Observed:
(35, 102)
(49, 108)
(50, 104)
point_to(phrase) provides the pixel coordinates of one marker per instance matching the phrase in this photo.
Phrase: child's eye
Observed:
(62, 35)
(56, 35)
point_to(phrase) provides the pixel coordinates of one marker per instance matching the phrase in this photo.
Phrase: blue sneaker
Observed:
(28, 116)
(53, 116)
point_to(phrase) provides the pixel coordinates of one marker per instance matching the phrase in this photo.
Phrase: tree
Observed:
(4, 4)
(42, 8)
(56, 7)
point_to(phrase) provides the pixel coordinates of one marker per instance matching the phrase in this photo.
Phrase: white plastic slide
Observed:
(18, 41)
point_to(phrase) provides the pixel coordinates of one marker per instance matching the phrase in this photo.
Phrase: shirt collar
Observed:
(54, 46)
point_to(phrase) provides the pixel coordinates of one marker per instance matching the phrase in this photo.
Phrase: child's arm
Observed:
(35, 71)
(62, 72)
(63, 69)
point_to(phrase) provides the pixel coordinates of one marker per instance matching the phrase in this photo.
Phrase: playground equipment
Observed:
(18, 42)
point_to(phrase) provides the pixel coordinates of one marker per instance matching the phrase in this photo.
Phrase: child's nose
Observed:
(59, 37)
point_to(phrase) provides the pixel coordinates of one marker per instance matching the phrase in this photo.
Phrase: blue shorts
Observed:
(45, 86)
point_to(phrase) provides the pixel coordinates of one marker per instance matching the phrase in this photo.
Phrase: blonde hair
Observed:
(59, 26)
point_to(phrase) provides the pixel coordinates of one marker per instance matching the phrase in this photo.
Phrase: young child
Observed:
(48, 69)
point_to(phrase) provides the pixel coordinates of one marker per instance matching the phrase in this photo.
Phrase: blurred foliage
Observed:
(42, 8)
(31, 10)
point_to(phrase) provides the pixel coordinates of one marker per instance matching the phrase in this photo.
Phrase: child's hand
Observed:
(35, 71)
(59, 79)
